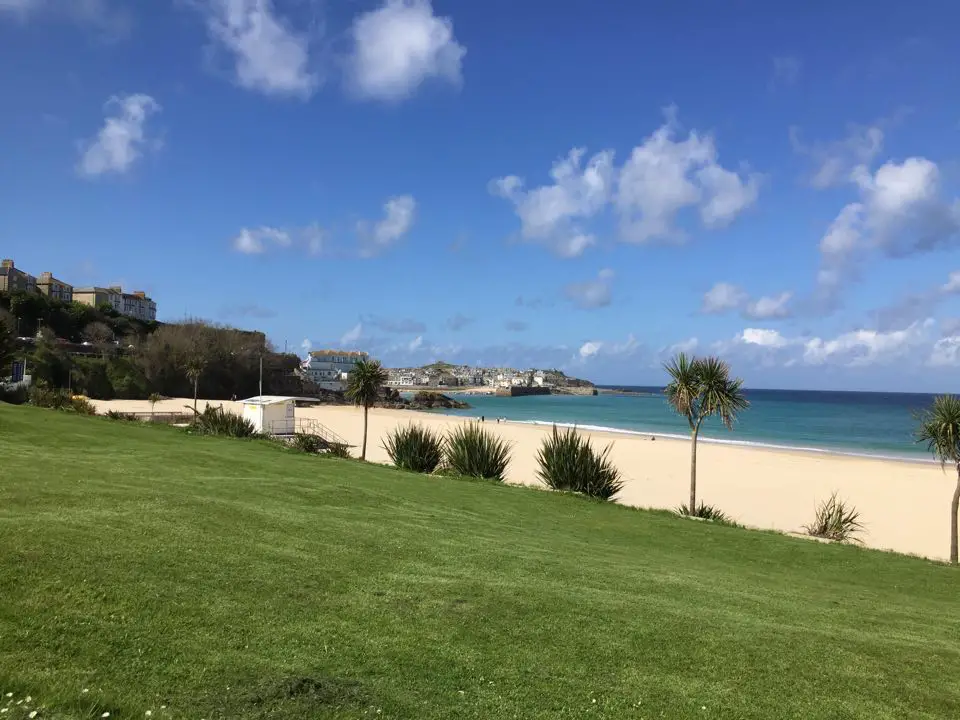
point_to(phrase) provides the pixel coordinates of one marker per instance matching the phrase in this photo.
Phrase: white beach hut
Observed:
(271, 414)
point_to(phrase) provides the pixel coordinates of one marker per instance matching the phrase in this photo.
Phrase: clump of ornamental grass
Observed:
(415, 448)
(217, 421)
(705, 512)
(835, 520)
(568, 462)
(472, 451)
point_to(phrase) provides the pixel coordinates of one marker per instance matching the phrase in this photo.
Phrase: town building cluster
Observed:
(329, 369)
(441, 375)
(135, 304)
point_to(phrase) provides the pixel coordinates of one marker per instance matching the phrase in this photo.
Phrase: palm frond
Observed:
(684, 387)
(939, 429)
(365, 382)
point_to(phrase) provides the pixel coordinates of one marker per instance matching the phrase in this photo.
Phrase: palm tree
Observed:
(940, 430)
(153, 399)
(699, 388)
(364, 384)
(194, 368)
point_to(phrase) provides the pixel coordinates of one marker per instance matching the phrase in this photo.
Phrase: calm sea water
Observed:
(839, 422)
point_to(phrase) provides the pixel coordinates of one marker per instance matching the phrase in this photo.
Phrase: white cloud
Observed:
(415, 344)
(253, 241)
(769, 307)
(268, 55)
(593, 293)
(306, 345)
(597, 348)
(687, 347)
(663, 176)
(315, 239)
(900, 213)
(399, 216)
(122, 139)
(946, 352)
(835, 162)
(763, 338)
(589, 349)
(866, 347)
(399, 46)
(722, 297)
(953, 283)
(352, 335)
(549, 213)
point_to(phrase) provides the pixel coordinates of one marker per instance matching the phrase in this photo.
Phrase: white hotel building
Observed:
(329, 368)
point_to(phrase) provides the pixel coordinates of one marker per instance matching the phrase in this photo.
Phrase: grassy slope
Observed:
(209, 575)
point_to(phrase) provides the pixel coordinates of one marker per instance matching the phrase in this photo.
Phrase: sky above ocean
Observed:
(582, 185)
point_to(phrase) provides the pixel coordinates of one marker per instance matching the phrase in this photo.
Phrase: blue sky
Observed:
(583, 185)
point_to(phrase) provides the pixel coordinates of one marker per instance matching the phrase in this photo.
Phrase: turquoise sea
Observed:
(859, 423)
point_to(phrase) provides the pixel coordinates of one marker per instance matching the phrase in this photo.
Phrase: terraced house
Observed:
(329, 368)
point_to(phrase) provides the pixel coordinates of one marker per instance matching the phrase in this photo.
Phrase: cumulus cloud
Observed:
(597, 348)
(722, 298)
(834, 162)
(769, 307)
(257, 240)
(268, 55)
(306, 345)
(856, 348)
(946, 352)
(399, 46)
(662, 177)
(122, 139)
(665, 175)
(399, 213)
(953, 283)
(725, 297)
(352, 336)
(415, 344)
(550, 214)
(900, 213)
(253, 241)
(593, 293)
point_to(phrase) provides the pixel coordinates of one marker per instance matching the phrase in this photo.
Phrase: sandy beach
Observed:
(904, 506)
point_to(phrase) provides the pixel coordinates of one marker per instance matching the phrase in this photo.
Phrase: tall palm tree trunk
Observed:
(693, 469)
(196, 384)
(954, 508)
(363, 450)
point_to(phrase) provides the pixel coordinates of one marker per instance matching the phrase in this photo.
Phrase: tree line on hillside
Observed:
(129, 359)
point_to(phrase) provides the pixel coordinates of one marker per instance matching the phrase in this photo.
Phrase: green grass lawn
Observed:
(235, 579)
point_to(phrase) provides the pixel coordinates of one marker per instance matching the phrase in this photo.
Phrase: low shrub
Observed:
(14, 396)
(82, 406)
(117, 415)
(308, 443)
(53, 398)
(471, 451)
(338, 450)
(414, 448)
(217, 421)
(705, 512)
(568, 462)
(835, 520)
